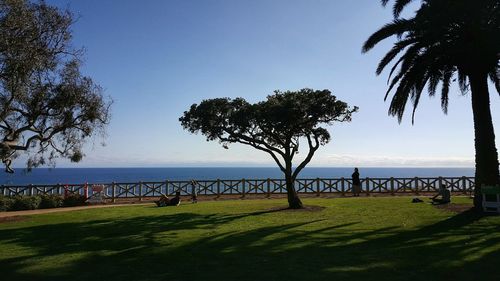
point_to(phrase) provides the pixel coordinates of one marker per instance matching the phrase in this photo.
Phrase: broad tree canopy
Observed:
(275, 125)
(47, 107)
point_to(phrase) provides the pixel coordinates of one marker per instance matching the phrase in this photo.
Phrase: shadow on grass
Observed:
(462, 247)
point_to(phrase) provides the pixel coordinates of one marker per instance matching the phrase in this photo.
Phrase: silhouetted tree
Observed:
(47, 108)
(445, 41)
(274, 126)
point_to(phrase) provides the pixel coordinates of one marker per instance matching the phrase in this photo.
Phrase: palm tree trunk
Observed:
(486, 153)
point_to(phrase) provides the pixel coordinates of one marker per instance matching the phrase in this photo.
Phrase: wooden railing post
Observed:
(113, 192)
(140, 191)
(218, 188)
(392, 186)
(440, 182)
(243, 188)
(268, 187)
(464, 185)
(3, 190)
(30, 190)
(367, 187)
(342, 185)
(318, 190)
(417, 191)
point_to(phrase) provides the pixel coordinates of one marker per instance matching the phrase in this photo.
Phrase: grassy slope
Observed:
(351, 239)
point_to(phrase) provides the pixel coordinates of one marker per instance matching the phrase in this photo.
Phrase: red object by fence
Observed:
(86, 191)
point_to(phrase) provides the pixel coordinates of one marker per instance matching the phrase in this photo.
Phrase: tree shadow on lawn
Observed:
(463, 247)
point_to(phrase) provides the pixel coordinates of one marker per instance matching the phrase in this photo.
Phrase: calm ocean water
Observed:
(104, 175)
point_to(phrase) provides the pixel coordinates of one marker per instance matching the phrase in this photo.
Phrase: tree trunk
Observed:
(486, 153)
(293, 198)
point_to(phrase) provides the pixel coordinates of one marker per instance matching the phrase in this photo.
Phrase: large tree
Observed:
(48, 109)
(446, 41)
(275, 126)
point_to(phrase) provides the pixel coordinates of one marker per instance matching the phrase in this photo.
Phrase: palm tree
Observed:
(447, 41)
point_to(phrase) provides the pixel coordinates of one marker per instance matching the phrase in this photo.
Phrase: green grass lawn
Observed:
(350, 239)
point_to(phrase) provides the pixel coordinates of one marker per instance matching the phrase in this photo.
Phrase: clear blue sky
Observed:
(156, 58)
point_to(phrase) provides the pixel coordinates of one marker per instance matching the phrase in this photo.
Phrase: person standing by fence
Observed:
(356, 183)
(194, 192)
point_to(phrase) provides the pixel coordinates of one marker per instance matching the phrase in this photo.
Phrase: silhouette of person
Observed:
(176, 200)
(194, 192)
(165, 201)
(356, 183)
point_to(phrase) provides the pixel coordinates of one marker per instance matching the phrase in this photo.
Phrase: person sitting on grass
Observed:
(165, 201)
(176, 200)
(445, 196)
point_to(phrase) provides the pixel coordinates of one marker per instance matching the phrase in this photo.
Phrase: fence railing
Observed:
(243, 187)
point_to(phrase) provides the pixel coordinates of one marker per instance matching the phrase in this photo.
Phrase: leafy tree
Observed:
(447, 41)
(48, 109)
(275, 126)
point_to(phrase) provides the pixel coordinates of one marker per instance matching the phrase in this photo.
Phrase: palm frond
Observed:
(396, 28)
(463, 82)
(445, 89)
(399, 6)
(398, 48)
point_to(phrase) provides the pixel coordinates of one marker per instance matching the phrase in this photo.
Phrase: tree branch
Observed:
(260, 148)
(312, 150)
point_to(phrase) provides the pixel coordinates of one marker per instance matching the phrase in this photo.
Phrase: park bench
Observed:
(491, 198)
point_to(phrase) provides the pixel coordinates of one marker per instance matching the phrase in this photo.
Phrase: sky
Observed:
(155, 58)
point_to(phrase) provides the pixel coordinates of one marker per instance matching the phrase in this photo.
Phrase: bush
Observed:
(23, 202)
(74, 200)
(50, 201)
(6, 203)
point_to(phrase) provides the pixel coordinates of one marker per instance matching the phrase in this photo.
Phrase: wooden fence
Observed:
(244, 187)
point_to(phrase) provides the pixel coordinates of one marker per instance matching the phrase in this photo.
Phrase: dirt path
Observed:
(4, 215)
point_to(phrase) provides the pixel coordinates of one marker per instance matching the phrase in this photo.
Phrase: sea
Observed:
(129, 175)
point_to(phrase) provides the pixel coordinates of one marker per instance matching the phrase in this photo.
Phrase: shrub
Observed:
(51, 201)
(23, 202)
(74, 200)
(6, 203)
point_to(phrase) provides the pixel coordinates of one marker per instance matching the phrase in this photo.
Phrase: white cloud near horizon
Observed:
(322, 160)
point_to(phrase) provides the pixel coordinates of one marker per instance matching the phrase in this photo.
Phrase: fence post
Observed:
(318, 190)
(367, 185)
(392, 186)
(440, 182)
(218, 188)
(30, 190)
(417, 191)
(268, 187)
(140, 191)
(342, 185)
(113, 192)
(243, 188)
(3, 190)
(464, 185)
